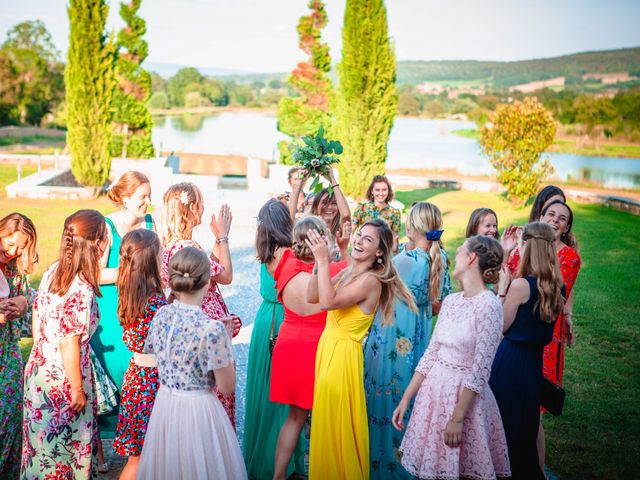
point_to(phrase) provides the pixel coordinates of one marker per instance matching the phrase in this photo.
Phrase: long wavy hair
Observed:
(16, 222)
(324, 196)
(138, 274)
(178, 221)
(424, 217)
(79, 253)
(543, 197)
(274, 229)
(540, 261)
(568, 238)
(392, 286)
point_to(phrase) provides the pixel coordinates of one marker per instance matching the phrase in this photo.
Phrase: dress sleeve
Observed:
(514, 262)
(488, 332)
(216, 352)
(356, 220)
(431, 353)
(77, 310)
(395, 220)
(154, 303)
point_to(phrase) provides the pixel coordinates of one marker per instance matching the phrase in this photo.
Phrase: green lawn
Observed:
(600, 428)
(9, 174)
(5, 141)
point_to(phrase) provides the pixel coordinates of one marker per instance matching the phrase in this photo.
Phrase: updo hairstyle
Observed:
(300, 248)
(189, 270)
(126, 186)
(490, 255)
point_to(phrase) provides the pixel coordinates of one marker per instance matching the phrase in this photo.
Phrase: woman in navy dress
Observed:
(531, 305)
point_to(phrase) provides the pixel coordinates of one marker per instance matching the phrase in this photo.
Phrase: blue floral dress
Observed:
(390, 357)
(11, 366)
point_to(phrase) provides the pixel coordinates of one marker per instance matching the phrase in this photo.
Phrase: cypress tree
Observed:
(366, 100)
(303, 115)
(132, 120)
(89, 86)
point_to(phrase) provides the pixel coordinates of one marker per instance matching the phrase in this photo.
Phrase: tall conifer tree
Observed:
(366, 100)
(132, 120)
(89, 83)
(303, 115)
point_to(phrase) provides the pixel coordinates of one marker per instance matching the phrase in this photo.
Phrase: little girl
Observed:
(139, 297)
(189, 434)
(182, 212)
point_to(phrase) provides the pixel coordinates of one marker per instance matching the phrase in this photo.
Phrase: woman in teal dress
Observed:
(264, 418)
(131, 193)
(392, 352)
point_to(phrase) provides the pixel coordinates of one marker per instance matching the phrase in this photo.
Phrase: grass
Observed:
(9, 174)
(6, 141)
(600, 428)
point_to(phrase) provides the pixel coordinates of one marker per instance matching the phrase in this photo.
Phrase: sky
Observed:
(260, 35)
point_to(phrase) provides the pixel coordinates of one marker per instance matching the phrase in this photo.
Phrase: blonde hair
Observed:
(392, 286)
(189, 270)
(178, 220)
(300, 230)
(540, 260)
(490, 255)
(16, 222)
(424, 217)
(126, 186)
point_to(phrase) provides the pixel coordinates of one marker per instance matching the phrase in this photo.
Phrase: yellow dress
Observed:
(339, 429)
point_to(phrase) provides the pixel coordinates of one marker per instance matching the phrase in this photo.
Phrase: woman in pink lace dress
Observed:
(455, 429)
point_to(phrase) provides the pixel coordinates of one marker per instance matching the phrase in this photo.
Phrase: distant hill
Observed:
(506, 74)
(167, 70)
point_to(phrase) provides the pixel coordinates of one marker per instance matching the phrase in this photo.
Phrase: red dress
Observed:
(569, 260)
(293, 360)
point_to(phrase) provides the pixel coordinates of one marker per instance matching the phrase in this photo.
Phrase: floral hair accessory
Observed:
(184, 197)
(434, 235)
(185, 274)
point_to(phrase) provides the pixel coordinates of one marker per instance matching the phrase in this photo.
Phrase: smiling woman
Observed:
(379, 194)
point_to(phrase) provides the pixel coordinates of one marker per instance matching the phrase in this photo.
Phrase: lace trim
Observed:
(453, 366)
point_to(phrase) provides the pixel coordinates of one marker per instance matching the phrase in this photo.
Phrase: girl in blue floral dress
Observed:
(392, 352)
(139, 297)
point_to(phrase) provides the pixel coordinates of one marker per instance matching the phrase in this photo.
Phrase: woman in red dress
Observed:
(294, 355)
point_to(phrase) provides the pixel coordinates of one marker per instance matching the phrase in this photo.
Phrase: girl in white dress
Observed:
(189, 434)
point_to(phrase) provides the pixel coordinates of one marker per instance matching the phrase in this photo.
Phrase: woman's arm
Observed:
(568, 319)
(220, 228)
(70, 352)
(341, 201)
(517, 295)
(453, 429)
(107, 275)
(397, 418)
(294, 198)
(226, 379)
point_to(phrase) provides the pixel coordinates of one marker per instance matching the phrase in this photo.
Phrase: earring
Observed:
(379, 260)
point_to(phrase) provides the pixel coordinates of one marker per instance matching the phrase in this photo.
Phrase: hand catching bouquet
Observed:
(316, 156)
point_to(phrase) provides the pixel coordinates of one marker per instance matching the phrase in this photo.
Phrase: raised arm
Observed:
(341, 201)
(517, 295)
(220, 253)
(294, 198)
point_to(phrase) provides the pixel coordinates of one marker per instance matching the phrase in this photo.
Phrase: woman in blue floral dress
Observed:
(60, 436)
(392, 352)
(17, 256)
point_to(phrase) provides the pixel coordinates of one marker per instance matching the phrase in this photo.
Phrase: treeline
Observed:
(189, 88)
(506, 74)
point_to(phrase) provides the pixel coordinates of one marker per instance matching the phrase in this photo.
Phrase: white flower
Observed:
(315, 162)
(184, 197)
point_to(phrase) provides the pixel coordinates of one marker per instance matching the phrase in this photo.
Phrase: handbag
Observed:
(551, 395)
(272, 337)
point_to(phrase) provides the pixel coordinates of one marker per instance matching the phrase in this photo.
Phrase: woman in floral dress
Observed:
(392, 351)
(379, 194)
(59, 427)
(17, 256)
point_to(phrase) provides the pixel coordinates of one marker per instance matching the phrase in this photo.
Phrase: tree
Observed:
(366, 100)
(176, 87)
(131, 119)
(89, 80)
(159, 100)
(514, 143)
(304, 114)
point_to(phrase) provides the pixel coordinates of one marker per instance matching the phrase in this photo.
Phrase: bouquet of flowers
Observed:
(315, 156)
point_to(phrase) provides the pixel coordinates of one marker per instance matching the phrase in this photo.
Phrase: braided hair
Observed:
(490, 255)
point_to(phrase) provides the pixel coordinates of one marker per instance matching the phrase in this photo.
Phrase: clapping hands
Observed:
(221, 225)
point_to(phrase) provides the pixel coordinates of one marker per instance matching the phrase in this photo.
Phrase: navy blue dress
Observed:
(516, 382)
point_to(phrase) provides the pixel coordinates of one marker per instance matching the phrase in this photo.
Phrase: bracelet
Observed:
(223, 239)
(502, 295)
(567, 314)
(336, 185)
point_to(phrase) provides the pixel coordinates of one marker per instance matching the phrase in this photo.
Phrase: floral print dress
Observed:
(11, 366)
(367, 211)
(139, 386)
(57, 441)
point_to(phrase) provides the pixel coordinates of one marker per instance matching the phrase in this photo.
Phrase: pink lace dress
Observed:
(459, 355)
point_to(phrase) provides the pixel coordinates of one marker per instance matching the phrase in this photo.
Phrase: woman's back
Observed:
(528, 328)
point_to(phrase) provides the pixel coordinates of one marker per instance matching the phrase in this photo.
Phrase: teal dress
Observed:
(391, 354)
(263, 418)
(107, 342)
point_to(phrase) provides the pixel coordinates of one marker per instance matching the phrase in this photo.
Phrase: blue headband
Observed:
(434, 235)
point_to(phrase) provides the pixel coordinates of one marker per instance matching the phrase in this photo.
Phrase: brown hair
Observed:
(335, 225)
(384, 270)
(79, 252)
(138, 274)
(300, 248)
(490, 255)
(567, 237)
(476, 217)
(16, 222)
(126, 186)
(379, 179)
(189, 270)
(424, 217)
(274, 229)
(543, 197)
(540, 260)
(292, 171)
(178, 220)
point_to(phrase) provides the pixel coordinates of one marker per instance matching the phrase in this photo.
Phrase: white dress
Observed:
(189, 434)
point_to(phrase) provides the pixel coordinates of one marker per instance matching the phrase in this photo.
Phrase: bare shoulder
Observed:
(520, 289)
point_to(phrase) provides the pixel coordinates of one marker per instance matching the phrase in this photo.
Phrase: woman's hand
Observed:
(222, 225)
(299, 183)
(232, 323)
(330, 176)
(509, 240)
(319, 245)
(568, 332)
(78, 399)
(397, 417)
(14, 307)
(343, 236)
(505, 280)
(453, 434)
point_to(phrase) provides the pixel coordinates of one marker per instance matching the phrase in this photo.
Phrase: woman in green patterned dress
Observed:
(17, 256)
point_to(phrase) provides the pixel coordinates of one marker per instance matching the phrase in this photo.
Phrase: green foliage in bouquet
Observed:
(316, 155)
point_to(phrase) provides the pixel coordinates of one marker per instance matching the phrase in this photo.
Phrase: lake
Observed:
(414, 143)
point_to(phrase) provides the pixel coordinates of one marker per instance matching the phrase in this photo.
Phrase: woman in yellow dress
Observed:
(339, 429)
